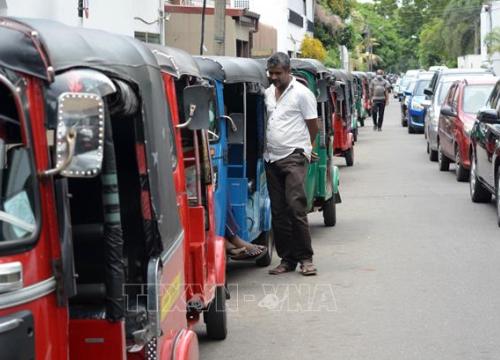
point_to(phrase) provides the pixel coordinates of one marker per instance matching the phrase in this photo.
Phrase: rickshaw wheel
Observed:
(349, 156)
(330, 212)
(215, 316)
(266, 239)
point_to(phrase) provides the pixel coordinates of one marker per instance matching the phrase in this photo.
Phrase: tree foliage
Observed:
(312, 48)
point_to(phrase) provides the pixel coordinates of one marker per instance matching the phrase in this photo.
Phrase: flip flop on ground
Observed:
(253, 252)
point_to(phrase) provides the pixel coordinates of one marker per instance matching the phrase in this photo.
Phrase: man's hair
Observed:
(380, 72)
(279, 59)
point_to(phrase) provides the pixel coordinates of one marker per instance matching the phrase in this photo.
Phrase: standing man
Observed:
(291, 129)
(379, 96)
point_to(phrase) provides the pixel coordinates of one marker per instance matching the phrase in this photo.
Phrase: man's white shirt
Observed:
(286, 125)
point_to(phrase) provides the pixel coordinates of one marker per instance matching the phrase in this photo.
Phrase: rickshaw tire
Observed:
(215, 316)
(330, 212)
(349, 157)
(266, 239)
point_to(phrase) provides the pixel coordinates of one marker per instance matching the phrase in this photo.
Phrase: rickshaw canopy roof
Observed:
(232, 70)
(175, 61)
(360, 74)
(63, 48)
(312, 65)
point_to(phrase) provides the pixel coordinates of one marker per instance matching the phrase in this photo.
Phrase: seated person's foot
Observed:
(238, 249)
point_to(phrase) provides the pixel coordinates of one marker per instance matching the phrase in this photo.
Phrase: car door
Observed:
(451, 123)
(486, 142)
(444, 120)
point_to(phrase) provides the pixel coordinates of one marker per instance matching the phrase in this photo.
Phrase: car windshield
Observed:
(420, 86)
(443, 90)
(475, 97)
(411, 86)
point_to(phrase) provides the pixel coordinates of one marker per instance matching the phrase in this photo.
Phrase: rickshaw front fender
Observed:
(220, 261)
(336, 181)
(185, 347)
(266, 214)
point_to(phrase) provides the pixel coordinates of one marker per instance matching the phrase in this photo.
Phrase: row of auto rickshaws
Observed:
(119, 164)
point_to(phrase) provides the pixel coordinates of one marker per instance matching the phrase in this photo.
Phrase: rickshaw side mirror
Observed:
(197, 107)
(237, 137)
(79, 135)
(322, 90)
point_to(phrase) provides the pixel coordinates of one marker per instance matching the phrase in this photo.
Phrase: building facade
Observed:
(292, 19)
(129, 17)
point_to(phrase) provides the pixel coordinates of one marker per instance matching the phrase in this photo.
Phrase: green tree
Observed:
(492, 41)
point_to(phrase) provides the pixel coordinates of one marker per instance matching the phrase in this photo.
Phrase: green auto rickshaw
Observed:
(322, 182)
(361, 80)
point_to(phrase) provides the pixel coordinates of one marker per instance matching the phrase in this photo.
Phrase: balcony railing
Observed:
(235, 4)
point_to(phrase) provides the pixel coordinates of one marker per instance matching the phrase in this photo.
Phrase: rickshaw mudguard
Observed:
(335, 183)
(185, 347)
(220, 261)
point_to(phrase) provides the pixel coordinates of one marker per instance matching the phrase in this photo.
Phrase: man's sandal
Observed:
(281, 269)
(308, 269)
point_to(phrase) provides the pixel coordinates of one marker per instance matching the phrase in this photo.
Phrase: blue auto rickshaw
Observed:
(237, 147)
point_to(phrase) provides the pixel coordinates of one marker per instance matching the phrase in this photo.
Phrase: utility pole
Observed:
(220, 27)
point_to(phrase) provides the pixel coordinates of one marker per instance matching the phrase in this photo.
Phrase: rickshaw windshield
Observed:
(17, 177)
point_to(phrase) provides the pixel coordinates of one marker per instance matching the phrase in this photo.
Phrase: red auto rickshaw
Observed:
(91, 246)
(205, 261)
(343, 139)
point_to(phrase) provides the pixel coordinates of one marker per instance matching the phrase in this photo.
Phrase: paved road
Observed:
(410, 271)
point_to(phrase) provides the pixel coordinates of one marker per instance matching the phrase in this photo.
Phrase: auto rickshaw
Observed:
(322, 181)
(91, 248)
(351, 102)
(343, 141)
(362, 96)
(205, 261)
(237, 145)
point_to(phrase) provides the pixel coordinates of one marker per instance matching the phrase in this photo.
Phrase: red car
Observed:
(458, 112)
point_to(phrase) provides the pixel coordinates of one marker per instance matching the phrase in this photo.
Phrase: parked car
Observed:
(456, 120)
(485, 159)
(415, 109)
(435, 93)
(405, 102)
(395, 88)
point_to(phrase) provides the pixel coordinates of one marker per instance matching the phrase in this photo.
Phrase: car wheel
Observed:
(266, 239)
(461, 172)
(443, 161)
(349, 156)
(215, 316)
(330, 212)
(478, 193)
(433, 156)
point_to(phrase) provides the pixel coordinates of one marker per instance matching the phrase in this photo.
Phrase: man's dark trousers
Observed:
(378, 109)
(285, 183)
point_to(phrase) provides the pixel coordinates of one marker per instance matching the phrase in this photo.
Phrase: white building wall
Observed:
(275, 13)
(111, 15)
(490, 19)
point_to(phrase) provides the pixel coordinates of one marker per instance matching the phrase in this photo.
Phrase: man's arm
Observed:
(312, 126)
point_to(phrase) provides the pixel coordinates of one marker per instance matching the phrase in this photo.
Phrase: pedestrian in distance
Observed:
(379, 97)
(291, 129)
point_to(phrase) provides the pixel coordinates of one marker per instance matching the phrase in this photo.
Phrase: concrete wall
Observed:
(184, 31)
(470, 61)
(111, 15)
(265, 41)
